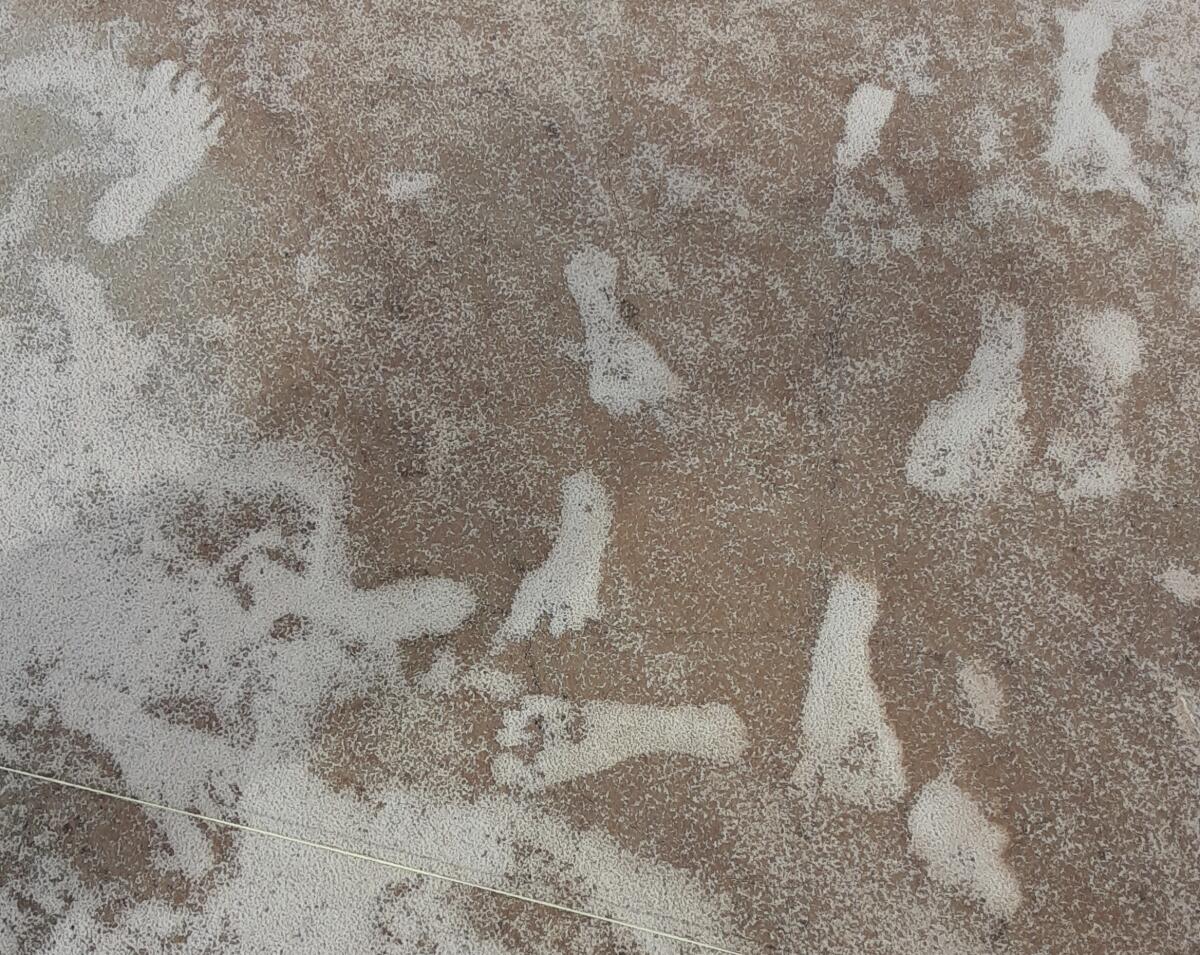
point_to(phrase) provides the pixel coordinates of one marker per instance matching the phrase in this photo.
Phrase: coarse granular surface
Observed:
(728, 468)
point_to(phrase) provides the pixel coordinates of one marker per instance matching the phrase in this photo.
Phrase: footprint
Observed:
(169, 126)
(961, 848)
(869, 214)
(625, 373)
(566, 587)
(564, 740)
(1085, 146)
(848, 745)
(971, 443)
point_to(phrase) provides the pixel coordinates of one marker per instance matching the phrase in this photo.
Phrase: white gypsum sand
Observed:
(972, 443)
(625, 373)
(846, 741)
(566, 586)
(961, 848)
(580, 739)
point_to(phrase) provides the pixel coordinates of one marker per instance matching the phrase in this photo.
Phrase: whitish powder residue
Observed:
(1181, 583)
(152, 129)
(1091, 152)
(625, 373)
(866, 113)
(1089, 449)
(407, 186)
(579, 739)
(846, 739)
(971, 443)
(983, 696)
(566, 587)
(962, 849)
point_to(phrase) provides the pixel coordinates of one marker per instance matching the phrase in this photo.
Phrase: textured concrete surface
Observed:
(729, 468)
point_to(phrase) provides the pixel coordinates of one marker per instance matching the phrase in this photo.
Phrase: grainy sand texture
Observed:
(728, 469)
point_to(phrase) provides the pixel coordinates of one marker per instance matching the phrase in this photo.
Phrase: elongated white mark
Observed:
(625, 373)
(154, 128)
(1092, 154)
(579, 739)
(847, 742)
(961, 848)
(971, 443)
(866, 113)
(566, 587)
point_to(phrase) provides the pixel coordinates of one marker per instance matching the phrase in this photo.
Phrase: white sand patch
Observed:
(407, 186)
(80, 422)
(1089, 449)
(1091, 153)
(983, 695)
(961, 848)
(152, 129)
(1181, 584)
(310, 269)
(866, 113)
(847, 743)
(625, 373)
(971, 443)
(580, 739)
(566, 587)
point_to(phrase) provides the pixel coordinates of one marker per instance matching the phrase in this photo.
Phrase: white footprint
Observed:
(971, 443)
(1090, 152)
(169, 126)
(868, 219)
(625, 373)
(847, 743)
(569, 740)
(566, 587)
(961, 848)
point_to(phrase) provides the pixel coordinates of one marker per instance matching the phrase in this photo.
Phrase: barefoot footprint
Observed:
(169, 126)
(562, 740)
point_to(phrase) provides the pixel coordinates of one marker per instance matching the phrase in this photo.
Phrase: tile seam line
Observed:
(363, 857)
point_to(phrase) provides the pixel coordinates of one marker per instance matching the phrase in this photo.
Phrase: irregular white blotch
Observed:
(80, 421)
(971, 443)
(566, 587)
(271, 890)
(152, 128)
(961, 848)
(190, 849)
(406, 186)
(1181, 583)
(1089, 450)
(909, 58)
(1084, 144)
(846, 739)
(625, 374)
(983, 695)
(579, 739)
(866, 113)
